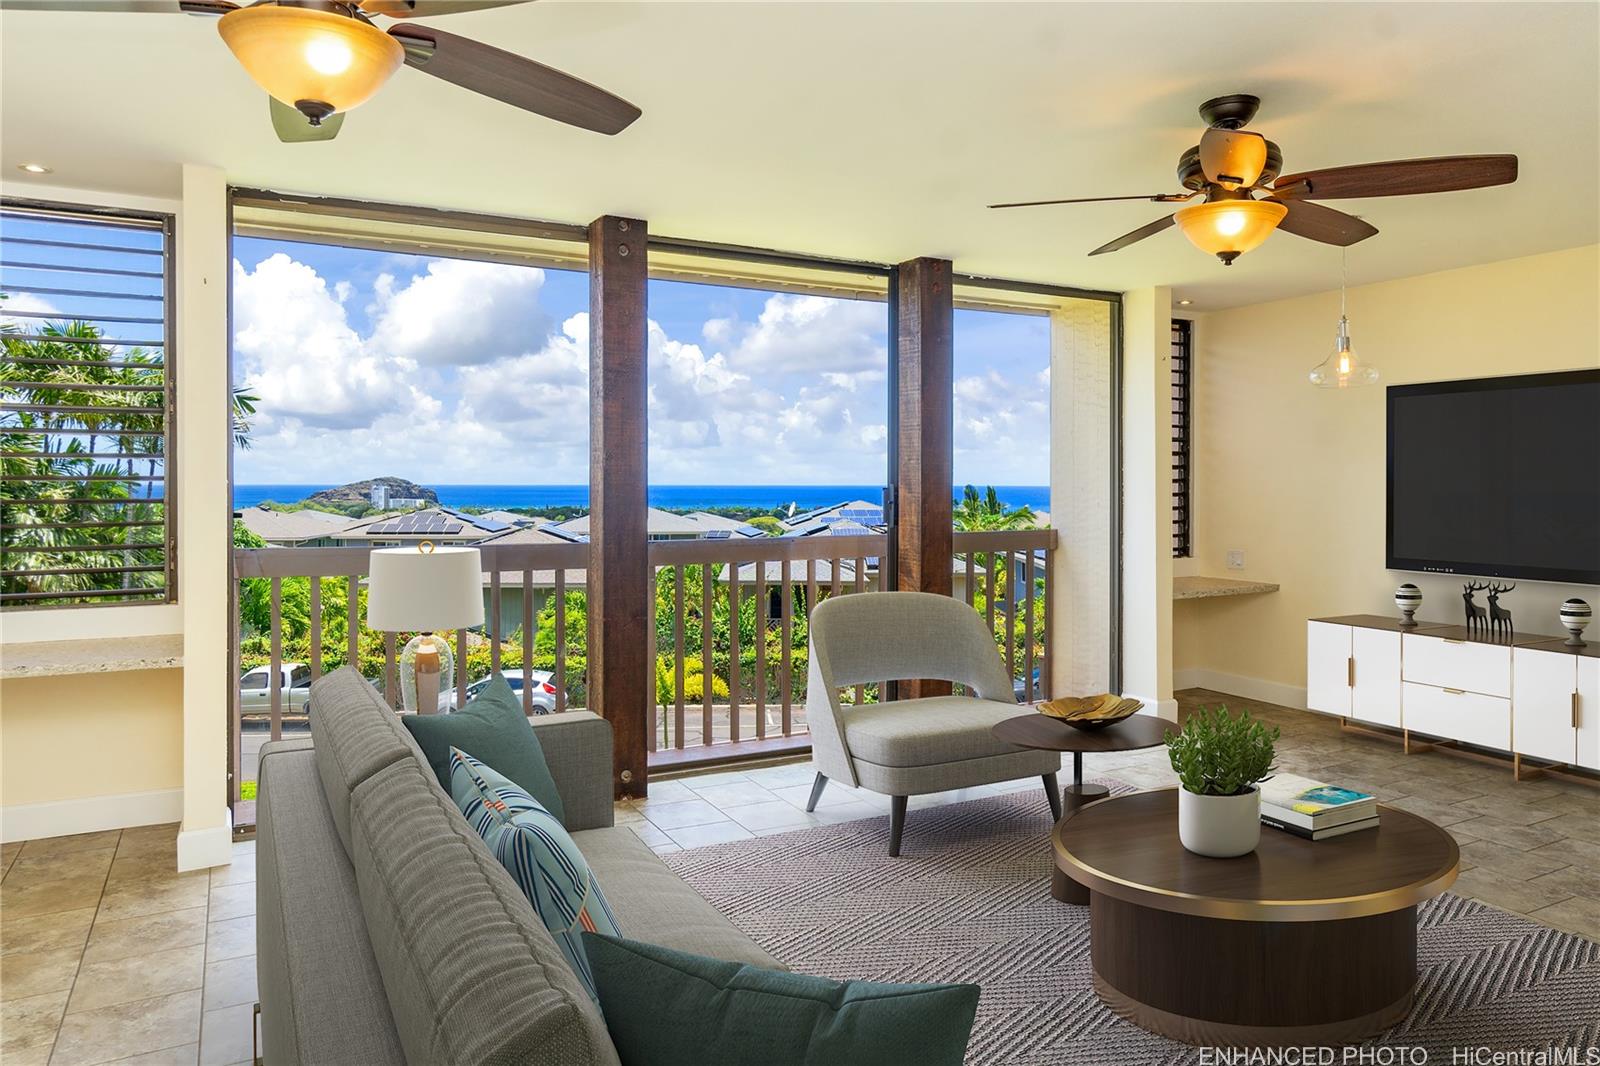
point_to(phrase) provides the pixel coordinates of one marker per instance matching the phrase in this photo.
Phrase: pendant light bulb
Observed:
(1343, 369)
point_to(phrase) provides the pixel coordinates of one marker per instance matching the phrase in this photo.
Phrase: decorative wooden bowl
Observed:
(1091, 712)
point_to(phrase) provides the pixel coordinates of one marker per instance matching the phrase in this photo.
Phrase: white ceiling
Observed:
(879, 131)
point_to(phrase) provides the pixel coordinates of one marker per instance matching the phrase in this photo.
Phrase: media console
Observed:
(1529, 696)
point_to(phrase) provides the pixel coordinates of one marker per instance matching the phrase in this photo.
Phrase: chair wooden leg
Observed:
(816, 792)
(897, 824)
(1053, 791)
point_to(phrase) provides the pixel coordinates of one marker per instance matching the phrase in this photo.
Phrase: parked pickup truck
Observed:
(294, 695)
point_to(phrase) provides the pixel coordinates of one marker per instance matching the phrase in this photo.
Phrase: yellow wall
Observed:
(1294, 475)
(72, 738)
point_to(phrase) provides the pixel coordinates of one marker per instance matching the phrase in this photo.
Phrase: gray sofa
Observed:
(386, 932)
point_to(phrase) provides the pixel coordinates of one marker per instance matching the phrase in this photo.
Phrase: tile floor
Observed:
(107, 955)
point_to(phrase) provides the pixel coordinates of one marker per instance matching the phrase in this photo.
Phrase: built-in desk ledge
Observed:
(1204, 588)
(60, 658)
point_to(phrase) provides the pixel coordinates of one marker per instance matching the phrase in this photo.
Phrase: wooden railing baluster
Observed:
(786, 680)
(527, 642)
(493, 628)
(760, 568)
(677, 666)
(1011, 617)
(1029, 689)
(561, 640)
(707, 663)
(735, 704)
(275, 681)
(316, 627)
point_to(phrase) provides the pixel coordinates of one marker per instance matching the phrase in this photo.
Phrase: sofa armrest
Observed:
(577, 745)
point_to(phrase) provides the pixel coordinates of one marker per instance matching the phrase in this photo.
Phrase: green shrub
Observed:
(1216, 754)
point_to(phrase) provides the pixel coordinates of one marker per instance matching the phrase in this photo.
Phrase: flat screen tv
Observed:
(1497, 477)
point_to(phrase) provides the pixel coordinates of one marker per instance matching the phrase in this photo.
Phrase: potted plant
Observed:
(1220, 759)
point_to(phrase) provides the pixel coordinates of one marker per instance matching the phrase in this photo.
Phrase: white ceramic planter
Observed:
(1219, 826)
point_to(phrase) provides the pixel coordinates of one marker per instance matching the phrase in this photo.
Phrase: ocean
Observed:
(670, 497)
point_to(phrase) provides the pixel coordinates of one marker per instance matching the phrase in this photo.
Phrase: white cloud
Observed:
(459, 313)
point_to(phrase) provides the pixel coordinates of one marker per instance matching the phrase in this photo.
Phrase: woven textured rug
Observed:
(968, 900)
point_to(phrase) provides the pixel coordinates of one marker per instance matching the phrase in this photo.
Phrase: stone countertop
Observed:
(1203, 588)
(61, 658)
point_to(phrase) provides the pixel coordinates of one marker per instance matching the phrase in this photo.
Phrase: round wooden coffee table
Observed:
(1298, 943)
(1052, 734)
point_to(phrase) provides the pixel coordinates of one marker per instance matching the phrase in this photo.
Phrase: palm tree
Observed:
(977, 514)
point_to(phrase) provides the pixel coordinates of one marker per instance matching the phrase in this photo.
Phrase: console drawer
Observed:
(1458, 715)
(1483, 668)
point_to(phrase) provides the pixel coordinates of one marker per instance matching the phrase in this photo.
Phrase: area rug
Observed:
(968, 900)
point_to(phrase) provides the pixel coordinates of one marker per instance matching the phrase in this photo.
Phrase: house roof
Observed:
(428, 522)
(529, 535)
(661, 523)
(284, 527)
(509, 518)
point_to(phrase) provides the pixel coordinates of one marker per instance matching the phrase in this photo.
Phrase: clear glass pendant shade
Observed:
(1343, 369)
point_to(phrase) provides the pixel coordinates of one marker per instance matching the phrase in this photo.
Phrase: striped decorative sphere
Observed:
(1408, 597)
(1575, 615)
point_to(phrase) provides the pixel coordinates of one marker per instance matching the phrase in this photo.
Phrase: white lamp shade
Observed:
(425, 591)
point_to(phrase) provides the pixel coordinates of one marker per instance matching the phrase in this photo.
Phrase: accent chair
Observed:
(905, 748)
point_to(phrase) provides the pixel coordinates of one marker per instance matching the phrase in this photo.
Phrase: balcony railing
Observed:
(730, 689)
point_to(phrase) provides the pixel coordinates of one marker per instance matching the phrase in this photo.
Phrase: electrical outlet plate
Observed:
(1235, 559)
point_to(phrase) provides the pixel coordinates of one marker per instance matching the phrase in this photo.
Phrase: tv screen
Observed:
(1497, 477)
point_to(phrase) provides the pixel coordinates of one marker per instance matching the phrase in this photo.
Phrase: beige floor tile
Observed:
(1578, 826)
(35, 973)
(110, 1033)
(231, 939)
(231, 982)
(183, 1055)
(32, 1056)
(122, 937)
(1578, 852)
(49, 897)
(1435, 811)
(667, 849)
(1576, 880)
(665, 792)
(1506, 892)
(30, 1023)
(670, 816)
(1521, 865)
(1520, 837)
(225, 1035)
(733, 794)
(1504, 811)
(847, 812)
(146, 839)
(698, 836)
(232, 901)
(45, 932)
(32, 869)
(774, 814)
(1580, 914)
(135, 897)
(237, 872)
(8, 855)
(137, 977)
(143, 865)
(75, 842)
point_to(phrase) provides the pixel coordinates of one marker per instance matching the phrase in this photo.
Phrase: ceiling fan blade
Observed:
(1399, 177)
(293, 128)
(412, 9)
(1160, 198)
(514, 80)
(1317, 223)
(1135, 237)
(142, 7)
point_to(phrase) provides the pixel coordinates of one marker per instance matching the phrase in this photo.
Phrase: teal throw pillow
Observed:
(535, 849)
(670, 1008)
(492, 728)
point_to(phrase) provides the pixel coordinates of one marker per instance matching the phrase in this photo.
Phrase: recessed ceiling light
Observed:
(1185, 303)
(33, 168)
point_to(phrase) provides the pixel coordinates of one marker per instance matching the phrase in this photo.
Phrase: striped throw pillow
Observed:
(536, 850)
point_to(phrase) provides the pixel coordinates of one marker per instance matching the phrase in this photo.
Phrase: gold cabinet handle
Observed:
(1350, 672)
(1448, 640)
(1575, 715)
(1456, 691)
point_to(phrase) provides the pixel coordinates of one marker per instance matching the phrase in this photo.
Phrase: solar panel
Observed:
(866, 516)
(718, 534)
(750, 531)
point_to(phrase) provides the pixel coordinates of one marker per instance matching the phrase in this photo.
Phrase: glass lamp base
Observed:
(427, 675)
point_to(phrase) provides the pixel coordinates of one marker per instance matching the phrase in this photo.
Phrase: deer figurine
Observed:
(1499, 617)
(1477, 618)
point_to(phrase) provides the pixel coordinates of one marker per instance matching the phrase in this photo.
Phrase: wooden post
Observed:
(618, 581)
(924, 356)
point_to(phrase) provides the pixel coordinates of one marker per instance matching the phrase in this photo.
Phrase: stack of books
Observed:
(1315, 810)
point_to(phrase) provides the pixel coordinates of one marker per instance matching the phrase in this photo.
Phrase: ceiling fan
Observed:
(1230, 165)
(318, 59)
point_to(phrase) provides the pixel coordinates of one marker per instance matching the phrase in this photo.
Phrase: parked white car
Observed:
(543, 697)
(294, 694)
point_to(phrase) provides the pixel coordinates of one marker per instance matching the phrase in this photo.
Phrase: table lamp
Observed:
(425, 589)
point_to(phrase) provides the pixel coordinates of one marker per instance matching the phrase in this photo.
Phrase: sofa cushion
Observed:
(356, 734)
(651, 901)
(471, 973)
(536, 851)
(492, 729)
(670, 1008)
(927, 732)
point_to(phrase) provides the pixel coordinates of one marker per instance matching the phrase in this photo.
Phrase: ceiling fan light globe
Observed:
(297, 53)
(1229, 228)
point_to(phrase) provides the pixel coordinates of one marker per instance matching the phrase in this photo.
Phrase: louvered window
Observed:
(1182, 435)
(86, 402)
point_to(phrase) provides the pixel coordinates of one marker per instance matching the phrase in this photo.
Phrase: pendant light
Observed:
(318, 62)
(1342, 370)
(1229, 228)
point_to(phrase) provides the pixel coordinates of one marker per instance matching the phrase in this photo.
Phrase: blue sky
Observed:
(451, 371)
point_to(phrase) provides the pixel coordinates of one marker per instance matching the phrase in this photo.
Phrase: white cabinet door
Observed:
(1458, 715)
(1541, 704)
(1375, 696)
(1328, 668)
(1588, 712)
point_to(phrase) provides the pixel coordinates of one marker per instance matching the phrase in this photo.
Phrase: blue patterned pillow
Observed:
(535, 849)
